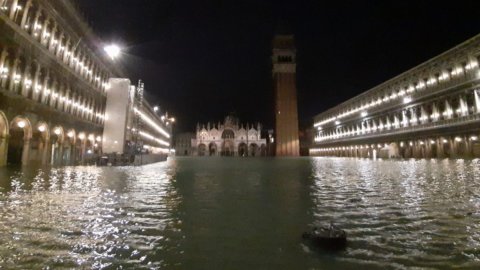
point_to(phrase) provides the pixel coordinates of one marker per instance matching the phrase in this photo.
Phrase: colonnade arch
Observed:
(24, 141)
(20, 133)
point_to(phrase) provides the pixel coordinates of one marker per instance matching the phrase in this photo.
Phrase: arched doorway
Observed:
(202, 149)
(253, 149)
(212, 149)
(242, 149)
(3, 139)
(19, 141)
(227, 148)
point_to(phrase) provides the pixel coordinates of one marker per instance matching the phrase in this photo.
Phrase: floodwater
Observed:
(241, 213)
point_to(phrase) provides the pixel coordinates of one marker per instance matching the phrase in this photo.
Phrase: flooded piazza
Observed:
(241, 213)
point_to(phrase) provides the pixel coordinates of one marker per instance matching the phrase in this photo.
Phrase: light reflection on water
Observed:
(192, 213)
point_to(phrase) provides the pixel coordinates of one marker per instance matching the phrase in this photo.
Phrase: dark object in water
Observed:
(327, 237)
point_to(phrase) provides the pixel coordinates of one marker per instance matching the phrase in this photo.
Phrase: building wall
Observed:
(183, 144)
(432, 110)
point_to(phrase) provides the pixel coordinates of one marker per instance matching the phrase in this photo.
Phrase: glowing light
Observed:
(151, 123)
(444, 141)
(81, 136)
(337, 122)
(363, 114)
(57, 131)
(432, 142)
(21, 124)
(113, 51)
(458, 139)
(407, 100)
(148, 136)
(91, 137)
(99, 139)
(42, 128)
(70, 134)
(155, 109)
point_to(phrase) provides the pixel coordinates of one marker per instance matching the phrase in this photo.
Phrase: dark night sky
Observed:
(202, 59)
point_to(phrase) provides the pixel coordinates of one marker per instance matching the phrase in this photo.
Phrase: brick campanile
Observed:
(284, 80)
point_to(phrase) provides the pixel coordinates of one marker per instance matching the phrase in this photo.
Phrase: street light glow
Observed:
(112, 50)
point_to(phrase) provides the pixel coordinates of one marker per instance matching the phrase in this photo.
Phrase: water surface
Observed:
(241, 213)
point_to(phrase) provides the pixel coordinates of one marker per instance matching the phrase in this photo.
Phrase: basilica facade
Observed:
(229, 138)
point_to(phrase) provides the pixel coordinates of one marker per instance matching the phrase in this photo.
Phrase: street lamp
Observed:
(112, 50)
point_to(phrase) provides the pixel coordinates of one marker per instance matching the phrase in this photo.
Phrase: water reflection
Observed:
(87, 217)
(402, 213)
(237, 213)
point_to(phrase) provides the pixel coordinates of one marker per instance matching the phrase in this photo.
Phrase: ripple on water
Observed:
(242, 213)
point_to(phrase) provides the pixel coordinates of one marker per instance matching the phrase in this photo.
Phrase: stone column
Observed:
(468, 147)
(3, 151)
(83, 150)
(13, 9)
(477, 100)
(25, 151)
(36, 83)
(26, 9)
(453, 147)
(13, 74)
(45, 152)
(440, 148)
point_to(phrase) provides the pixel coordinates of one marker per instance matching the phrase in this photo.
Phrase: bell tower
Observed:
(284, 80)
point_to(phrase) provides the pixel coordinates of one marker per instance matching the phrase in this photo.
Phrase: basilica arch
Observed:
(228, 134)
(228, 148)
(202, 149)
(242, 149)
(212, 149)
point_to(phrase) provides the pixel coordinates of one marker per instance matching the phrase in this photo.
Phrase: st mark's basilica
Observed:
(229, 139)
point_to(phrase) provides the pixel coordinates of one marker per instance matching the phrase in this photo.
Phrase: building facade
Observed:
(183, 144)
(133, 126)
(54, 80)
(229, 139)
(284, 79)
(52, 84)
(432, 110)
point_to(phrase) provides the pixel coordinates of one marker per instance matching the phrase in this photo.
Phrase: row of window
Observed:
(396, 92)
(40, 84)
(34, 20)
(458, 106)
